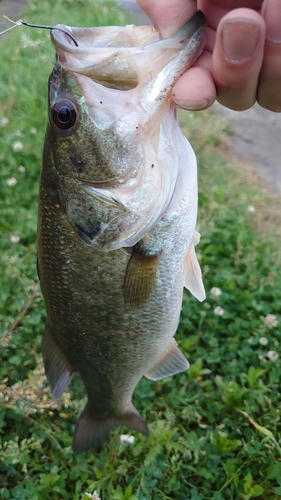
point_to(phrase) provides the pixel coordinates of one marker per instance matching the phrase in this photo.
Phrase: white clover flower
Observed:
(272, 355)
(33, 130)
(4, 121)
(14, 238)
(126, 438)
(270, 320)
(92, 496)
(21, 169)
(12, 181)
(263, 341)
(17, 146)
(219, 311)
(251, 208)
(215, 292)
(262, 357)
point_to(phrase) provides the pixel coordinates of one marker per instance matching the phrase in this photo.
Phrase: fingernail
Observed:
(239, 39)
(192, 105)
(273, 22)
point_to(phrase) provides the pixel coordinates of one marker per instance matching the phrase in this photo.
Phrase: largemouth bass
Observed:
(118, 208)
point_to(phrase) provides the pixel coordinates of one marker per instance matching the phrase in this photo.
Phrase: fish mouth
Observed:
(113, 56)
(104, 54)
(84, 40)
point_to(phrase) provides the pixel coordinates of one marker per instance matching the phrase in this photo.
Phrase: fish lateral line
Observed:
(30, 25)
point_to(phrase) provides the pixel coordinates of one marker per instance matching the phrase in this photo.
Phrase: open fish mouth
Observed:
(112, 56)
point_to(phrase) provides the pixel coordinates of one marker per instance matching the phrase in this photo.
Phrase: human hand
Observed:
(241, 63)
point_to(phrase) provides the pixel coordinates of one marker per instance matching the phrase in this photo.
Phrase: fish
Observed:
(117, 216)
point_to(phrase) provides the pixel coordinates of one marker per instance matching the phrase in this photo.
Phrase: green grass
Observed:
(215, 430)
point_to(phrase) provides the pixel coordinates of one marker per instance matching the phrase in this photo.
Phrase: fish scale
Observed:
(116, 238)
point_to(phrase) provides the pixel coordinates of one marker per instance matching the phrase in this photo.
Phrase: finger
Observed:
(237, 58)
(269, 89)
(196, 89)
(168, 17)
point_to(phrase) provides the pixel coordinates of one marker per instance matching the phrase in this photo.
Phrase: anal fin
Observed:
(91, 432)
(57, 368)
(192, 272)
(140, 277)
(171, 362)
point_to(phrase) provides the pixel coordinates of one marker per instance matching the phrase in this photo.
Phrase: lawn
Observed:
(216, 429)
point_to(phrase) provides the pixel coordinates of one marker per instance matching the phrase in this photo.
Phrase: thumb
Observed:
(166, 16)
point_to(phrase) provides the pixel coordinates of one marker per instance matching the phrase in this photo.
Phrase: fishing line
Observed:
(25, 23)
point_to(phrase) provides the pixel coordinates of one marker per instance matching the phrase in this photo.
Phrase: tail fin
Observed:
(91, 432)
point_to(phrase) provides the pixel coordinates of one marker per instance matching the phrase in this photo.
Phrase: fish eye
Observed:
(64, 114)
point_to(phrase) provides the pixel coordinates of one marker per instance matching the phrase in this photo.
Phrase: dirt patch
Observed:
(256, 139)
(264, 202)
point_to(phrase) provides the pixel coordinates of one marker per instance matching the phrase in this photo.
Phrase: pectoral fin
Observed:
(173, 361)
(140, 277)
(192, 272)
(58, 370)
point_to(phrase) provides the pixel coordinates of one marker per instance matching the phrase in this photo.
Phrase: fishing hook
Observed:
(25, 23)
